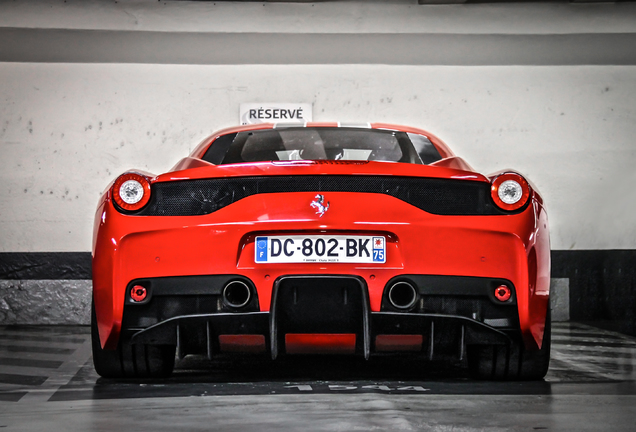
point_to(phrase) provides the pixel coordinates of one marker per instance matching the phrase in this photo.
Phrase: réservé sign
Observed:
(252, 113)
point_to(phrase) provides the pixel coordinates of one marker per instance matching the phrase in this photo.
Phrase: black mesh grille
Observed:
(437, 196)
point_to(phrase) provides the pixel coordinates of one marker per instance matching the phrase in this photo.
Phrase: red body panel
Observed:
(513, 247)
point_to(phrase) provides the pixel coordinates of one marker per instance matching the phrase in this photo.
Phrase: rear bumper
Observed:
(332, 310)
(126, 248)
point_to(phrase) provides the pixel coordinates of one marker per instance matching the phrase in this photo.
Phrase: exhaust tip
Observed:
(237, 294)
(402, 295)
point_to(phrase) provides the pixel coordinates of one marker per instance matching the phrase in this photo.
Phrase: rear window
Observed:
(307, 143)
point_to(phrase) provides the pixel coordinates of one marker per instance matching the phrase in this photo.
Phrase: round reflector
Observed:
(138, 293)
(503, 293)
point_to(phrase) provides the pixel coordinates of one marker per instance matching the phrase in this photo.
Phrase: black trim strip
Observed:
(45, 265)
(153, 47)
(197, 197)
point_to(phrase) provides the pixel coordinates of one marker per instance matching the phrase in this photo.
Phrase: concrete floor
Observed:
(47, 383)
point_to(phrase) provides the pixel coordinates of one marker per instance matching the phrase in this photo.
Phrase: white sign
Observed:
(252, 113)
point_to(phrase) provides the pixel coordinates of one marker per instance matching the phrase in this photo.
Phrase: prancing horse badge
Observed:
(319, 204)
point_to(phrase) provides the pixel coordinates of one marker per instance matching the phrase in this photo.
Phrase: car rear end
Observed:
(298, 257)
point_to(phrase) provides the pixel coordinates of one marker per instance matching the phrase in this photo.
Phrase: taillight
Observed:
(510, 191)
(131, 191)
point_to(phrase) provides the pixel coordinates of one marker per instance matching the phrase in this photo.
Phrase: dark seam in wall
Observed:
(45, 265)
(152, 47)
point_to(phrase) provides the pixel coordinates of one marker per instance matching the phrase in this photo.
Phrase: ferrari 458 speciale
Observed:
(323, 238)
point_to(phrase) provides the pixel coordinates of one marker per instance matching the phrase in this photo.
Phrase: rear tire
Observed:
(130, 360)
(512, 361)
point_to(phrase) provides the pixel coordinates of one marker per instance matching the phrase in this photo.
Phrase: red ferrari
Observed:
(323, 238)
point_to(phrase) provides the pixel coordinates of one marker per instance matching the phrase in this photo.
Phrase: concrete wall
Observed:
(68, 129)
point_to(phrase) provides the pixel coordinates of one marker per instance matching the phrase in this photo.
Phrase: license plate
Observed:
(320, 249)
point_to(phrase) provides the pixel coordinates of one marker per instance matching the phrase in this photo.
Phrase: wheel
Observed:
(130, 360)
(512, 361)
